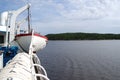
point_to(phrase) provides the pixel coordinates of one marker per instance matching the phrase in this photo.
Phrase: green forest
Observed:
(82, 36)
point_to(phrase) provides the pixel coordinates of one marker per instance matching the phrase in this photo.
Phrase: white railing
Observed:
(43, 74)
(35, 63)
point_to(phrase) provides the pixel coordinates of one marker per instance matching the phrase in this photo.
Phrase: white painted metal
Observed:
(3, 23)
(18, 25)
(19, 68)
(38, 42)
(23, 65)
(15, 14)
(42, 75)
(9, 19)
(3, 19)
(3, 28)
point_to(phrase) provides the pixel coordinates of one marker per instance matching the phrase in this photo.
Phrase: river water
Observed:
(82, 60)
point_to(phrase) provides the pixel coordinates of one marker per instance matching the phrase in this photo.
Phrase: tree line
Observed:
(82, 36)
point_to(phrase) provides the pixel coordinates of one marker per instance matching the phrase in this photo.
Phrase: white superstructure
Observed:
(15, 62)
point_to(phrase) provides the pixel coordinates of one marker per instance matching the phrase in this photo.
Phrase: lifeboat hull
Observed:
(24, 41)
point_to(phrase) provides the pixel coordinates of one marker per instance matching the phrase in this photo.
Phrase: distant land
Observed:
(83, 36)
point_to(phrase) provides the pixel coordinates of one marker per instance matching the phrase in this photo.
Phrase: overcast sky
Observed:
(58, 16)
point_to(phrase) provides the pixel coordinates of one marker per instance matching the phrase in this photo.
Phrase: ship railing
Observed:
(38, 71)
(41, 72)
(42, 68)
(40, 75)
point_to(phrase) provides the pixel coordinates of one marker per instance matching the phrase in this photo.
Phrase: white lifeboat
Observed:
(38, 41)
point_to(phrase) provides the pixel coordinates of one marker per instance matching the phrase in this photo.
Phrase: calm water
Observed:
(82, 60)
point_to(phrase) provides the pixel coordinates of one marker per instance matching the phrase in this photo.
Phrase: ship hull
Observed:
(24, 41)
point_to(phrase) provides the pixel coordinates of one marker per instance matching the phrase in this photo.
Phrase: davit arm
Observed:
(12, 20)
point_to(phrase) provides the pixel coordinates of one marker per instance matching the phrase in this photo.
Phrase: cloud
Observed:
(73, 15)
(76, 15)
(78, 9)
(88, 9)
